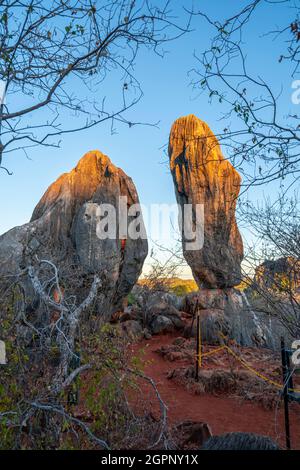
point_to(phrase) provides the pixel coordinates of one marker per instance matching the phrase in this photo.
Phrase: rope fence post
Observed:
(198, 345)
(285, 377)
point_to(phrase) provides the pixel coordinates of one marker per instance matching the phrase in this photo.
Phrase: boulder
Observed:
(163, 309)
(205, 299)
(145, 298)
(176, 318)
(203, 176)
(139, 295)
(147, 333)
(158, 297)
(212, 323)
(161, 324)
(191, 434)
(132, 329)
(64, 229)
(236, 319)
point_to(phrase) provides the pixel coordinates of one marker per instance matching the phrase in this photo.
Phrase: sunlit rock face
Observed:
(63, 229)
(202, 175)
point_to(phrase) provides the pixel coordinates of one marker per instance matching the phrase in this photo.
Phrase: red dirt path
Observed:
(223, 414)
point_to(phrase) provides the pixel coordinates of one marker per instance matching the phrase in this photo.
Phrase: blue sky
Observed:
(167, 95)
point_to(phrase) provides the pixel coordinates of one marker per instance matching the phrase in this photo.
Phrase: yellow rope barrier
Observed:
(209, 353)
(254, 371)
(242, 361)
(245, 364)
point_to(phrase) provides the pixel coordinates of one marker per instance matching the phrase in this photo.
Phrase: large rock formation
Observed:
(227, 311)
(63, 229)
(242, 319)
(202, 175)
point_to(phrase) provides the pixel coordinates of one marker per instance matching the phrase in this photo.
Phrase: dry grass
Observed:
(176, 285)
(221, 374)
(239, 384)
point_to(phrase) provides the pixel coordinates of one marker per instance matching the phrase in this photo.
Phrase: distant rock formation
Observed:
(63, 230)
(202, 175)
(280, 275)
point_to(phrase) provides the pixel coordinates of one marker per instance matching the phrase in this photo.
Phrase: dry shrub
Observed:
(210, 381)
(240, 384)
(180, 349)
(255, 389)
(221, 374)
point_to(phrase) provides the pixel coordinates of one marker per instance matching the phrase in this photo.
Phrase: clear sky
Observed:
(167, 95)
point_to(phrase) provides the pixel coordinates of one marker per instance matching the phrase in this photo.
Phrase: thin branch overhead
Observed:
(60, 61)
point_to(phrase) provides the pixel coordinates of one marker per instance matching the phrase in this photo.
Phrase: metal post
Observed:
(197, 347)
(200, 343)
(285, 375)
(290, 375)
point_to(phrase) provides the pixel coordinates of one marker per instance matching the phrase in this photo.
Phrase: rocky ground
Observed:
(231, 400)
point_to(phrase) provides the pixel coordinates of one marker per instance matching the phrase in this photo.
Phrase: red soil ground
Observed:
(222, 413)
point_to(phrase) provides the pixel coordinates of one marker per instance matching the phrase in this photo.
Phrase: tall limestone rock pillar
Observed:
(202, 175)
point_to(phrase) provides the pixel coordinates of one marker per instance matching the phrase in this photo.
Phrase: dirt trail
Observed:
(223, 414)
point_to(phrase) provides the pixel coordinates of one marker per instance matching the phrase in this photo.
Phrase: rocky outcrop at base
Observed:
(228, 312)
